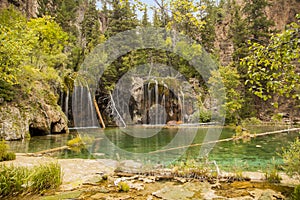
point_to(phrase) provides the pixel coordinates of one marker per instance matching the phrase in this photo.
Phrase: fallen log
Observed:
(227, 139)
(52, 150)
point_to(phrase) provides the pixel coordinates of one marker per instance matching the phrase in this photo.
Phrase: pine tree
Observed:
(91, 26)
(239, 32)
(257, 22)
(213, 14)
(145, 20)
(156, 19)
(122, 18)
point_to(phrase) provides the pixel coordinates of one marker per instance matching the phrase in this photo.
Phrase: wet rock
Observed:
(149, 179)
(241, 185)
(129, 166)
(270, 195)
(174, 193)
(189, 190)
(136, 186)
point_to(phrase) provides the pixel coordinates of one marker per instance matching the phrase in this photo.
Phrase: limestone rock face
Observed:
(17, 121)
(28, 7)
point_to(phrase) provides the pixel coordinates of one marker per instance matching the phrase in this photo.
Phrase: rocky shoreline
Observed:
(98, 179)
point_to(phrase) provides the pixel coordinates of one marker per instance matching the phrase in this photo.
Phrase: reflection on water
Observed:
(166, 145)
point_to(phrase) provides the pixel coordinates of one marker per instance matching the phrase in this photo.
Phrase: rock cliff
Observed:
(18, 121)
(28, 7)
(282, 12)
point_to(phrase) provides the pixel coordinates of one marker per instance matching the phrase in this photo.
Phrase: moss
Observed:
(123, 187)
(27, 135)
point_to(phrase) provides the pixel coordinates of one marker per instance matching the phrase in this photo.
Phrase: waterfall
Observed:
(92, 110)
(67, 104)
(83, 108)
(163, 103)
(149, 102)
(182, 106)
(156, 102)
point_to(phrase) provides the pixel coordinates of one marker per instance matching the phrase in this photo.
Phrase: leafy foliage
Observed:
(186, 17)
(44, 177)
(228, 90)
(291, 158)
(5, 155)
(271, 68)
(296, 193)
(12, 180)
(271, 173)
(19, 180)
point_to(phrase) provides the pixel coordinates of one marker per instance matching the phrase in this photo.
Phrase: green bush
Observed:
(4, 154)
(291, 158)
(79, 143)
(45, 177)
(13, 180)
(9, 156)
(3, 149)
(6, 91)
(251, 121)
(271, 173)
(123, 187)
(19, 180)
(296, 193)
(202, 116)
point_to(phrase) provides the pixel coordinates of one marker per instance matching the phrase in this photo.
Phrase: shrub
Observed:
(9, 156)
(251, 121)
(18, 180)
(3, 149)
(272, 174)
(291, 158)
(123, 187)
(4, 155)
(45, 177)
(79, 143)
(202, 116)
(12, 180)
(296, 193)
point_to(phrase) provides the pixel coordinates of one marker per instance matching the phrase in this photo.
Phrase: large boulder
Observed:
(19, 120)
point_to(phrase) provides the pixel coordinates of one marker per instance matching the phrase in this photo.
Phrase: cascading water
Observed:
(149, 102)
(182, 106)
(83, 108)
(67, 103)
(156, 102)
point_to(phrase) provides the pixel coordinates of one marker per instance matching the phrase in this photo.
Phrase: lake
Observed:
(159, 145)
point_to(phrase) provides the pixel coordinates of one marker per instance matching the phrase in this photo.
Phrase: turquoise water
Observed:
(159, 145)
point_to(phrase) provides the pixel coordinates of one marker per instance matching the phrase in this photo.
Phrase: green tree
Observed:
(91, 27)
(272, 68)
(156, 19)
(122, 17)
(239, 31)
(229, 90)
(14, 45)
(257, 22)
(48, 41)
(291, 158)
(145, 19)
(213, 15)
(186, 17)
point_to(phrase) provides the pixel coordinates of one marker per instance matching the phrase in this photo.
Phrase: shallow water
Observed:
(160, 145)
